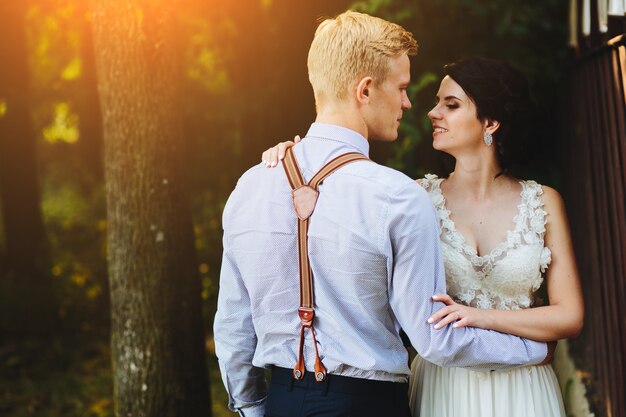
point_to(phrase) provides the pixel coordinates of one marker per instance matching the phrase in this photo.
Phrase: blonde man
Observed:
(373, 244)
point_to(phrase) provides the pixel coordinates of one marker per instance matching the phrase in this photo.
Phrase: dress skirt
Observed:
(530, 391)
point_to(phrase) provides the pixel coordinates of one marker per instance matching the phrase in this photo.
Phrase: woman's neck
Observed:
(477, 177)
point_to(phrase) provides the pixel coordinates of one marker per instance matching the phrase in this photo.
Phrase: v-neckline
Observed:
(471, 250)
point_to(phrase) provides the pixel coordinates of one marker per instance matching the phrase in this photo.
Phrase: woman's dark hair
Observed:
(500, 93)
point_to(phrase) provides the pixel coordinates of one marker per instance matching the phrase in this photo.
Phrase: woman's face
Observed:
(455, 121)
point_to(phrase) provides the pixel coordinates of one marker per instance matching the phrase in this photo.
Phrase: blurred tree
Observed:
(65, 115)
(157, 344)
(66, 103)
(26, 277)
(90, 145)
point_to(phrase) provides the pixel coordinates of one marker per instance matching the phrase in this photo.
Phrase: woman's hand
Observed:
(271, 156)
(460, 314)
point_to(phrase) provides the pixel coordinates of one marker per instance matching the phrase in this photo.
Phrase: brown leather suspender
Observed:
(304, 200)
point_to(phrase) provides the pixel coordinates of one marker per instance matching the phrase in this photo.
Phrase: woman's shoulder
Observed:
(429, 182)
(547, 193)
(550, 198)
(550, 193)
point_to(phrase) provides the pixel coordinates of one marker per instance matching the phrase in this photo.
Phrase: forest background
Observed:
(242, 86)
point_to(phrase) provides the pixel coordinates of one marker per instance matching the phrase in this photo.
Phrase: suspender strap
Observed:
(304, 199)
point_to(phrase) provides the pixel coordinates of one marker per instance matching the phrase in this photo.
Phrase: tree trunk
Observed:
(158, 353)
(26, 271)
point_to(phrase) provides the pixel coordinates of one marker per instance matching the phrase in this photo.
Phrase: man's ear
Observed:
(363, 90)
(491, 126)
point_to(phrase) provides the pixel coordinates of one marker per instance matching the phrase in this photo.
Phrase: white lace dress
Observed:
(505, 279)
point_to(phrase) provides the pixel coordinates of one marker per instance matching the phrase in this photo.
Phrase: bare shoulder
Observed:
(551, 196)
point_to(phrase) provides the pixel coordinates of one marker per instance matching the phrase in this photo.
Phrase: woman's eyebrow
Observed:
(449, 98)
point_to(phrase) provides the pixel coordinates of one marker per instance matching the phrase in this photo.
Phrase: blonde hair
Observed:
(352, 46)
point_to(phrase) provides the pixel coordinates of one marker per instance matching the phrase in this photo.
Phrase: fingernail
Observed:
(430, 320)
(437, 326)
(273, 163)
(281, 156)
(455, 325)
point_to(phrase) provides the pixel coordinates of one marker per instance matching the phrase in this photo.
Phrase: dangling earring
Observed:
(488, 139)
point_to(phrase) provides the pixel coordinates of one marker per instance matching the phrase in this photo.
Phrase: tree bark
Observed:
(26, 271)
(158, 355)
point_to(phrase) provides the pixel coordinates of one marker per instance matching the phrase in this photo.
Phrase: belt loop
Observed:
(290, 387)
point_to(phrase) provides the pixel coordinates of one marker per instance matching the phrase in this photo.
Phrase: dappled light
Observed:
(64, 127)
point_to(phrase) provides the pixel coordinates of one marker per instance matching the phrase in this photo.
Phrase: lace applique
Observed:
(507, 277)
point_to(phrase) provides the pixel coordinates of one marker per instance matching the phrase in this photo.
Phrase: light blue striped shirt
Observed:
(376, 261)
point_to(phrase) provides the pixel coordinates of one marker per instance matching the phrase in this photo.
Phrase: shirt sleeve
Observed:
(235, 338)
(417, 273)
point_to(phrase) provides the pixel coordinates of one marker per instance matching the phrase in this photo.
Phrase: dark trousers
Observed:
(338, 396)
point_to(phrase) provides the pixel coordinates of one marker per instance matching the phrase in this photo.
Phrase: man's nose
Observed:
(406, 104)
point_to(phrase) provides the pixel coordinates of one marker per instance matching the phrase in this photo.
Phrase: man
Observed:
(373, 245)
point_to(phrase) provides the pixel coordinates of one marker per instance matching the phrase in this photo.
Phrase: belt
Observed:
(339, 383)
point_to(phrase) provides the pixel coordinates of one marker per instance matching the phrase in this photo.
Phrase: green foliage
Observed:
(64, 126)
(383, 8)
(371, 6)
(206, 62)
(76, 231)
(54, 43)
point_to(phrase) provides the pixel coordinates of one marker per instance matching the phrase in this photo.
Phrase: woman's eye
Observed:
(452, 106)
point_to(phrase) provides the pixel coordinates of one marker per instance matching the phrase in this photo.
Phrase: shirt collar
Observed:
(340, 134)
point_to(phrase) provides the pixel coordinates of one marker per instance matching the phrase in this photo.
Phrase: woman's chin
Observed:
(439, 144)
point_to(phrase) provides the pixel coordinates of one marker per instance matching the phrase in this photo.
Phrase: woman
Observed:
(500, 237)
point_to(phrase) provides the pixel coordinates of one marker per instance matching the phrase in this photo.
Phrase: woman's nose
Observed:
(433, 113)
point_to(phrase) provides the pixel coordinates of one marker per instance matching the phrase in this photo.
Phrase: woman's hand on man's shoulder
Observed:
(276, 153)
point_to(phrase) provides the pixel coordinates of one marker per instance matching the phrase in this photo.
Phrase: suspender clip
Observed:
(306, 316)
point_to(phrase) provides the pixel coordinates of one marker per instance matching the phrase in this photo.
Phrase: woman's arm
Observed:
(563, 318)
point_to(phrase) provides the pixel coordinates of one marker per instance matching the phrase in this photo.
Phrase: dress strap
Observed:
(534, 209)
(432, 184)
(536, 220)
